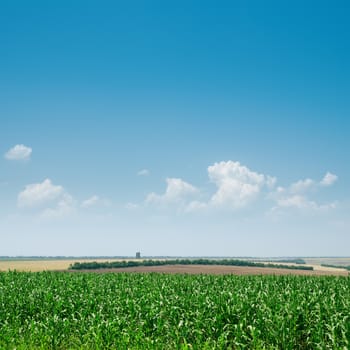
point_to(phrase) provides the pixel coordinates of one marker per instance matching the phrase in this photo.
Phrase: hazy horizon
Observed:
(184, 129)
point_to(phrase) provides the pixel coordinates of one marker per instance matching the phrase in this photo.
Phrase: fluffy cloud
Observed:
(143, 172)
(19, 152)
(39, 194)
(329, 179)
(302, 186)
(297, 194)
(236, 187)
(302, 203)
(236, 184)
(49, 199)
(177, 191)
(64, 207)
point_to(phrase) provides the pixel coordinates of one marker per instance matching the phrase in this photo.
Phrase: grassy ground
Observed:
(52, 310)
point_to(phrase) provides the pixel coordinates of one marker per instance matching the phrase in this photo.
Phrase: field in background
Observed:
(341, 261)
(45, 264)
(35, 265)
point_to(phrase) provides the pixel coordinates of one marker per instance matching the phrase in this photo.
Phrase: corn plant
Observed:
(51, 310)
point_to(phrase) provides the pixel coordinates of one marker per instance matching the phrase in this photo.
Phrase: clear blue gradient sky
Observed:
(175, 128)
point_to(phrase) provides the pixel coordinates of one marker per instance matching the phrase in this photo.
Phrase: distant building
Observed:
(138, 255)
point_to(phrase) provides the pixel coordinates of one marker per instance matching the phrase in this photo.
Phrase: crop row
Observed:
(51, 310)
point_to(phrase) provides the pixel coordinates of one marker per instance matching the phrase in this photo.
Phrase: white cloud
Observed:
(95, 201)
(237, 185)
(297, 194)
(302, 202)
(177, 191)
(143, 172)
(64, 207)
(329, 179)
(49, 199)
(90, 201)
(196, 206)
(19, 152)
(296, 201)
(302, 186)
(271, 181)
(132, 206)
(39, 194)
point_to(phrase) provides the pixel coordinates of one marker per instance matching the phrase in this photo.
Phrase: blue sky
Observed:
(184, 128)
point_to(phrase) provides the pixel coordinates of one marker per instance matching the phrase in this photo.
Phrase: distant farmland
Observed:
(35, 264)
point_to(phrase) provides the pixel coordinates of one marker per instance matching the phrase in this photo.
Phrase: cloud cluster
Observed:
(297, 194)
(45, 198)
(18, 152)
(237, 187)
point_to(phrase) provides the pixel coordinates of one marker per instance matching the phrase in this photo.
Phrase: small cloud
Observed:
(196, 206)
(297, 194)
(177, 191)
(329, 179)
(19, 152)
(296, 201)
(52, 201)
(39, 194)
(302, 186)
(95, 201)
(64, 207)
(144, 172)
(271, 181)
(302, 202)
(90, 202)
(131, 206)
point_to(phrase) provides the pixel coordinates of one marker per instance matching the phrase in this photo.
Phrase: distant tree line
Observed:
(337, 266)
(94, 265)
(291, 261)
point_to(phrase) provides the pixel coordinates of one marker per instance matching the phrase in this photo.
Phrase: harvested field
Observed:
(42, 264)
(221, 270)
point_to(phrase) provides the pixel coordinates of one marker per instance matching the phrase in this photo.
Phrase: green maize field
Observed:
(53, 310)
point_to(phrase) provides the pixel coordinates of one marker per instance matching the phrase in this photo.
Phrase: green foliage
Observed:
(337, 266)
(291, 261)
(51, 310)
(131, 263)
